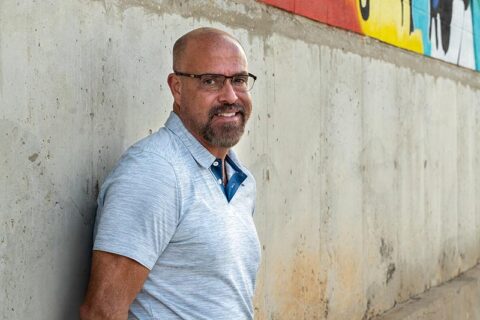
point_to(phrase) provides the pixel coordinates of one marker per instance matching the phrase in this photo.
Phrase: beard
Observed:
(228, 134)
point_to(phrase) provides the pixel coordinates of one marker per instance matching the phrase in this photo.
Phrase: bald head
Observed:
(214, 112)
(200, 39)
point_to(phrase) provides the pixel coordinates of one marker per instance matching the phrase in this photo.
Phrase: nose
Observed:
(227, 94)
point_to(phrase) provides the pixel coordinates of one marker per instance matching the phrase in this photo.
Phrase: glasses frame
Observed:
(199, 76)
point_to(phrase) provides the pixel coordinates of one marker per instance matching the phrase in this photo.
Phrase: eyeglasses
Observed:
(215, 82)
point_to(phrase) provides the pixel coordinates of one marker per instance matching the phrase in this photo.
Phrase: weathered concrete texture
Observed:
(457, 299)
(367, 157)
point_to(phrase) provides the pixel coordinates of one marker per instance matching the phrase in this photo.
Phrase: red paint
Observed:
(288, 5)
(343, 14)
(338, 13)
(315, 10)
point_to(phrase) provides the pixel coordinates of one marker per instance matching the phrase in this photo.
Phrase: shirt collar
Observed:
(199, 152)
(233, 156)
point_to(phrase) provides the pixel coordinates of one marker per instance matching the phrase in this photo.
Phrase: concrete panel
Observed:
(367, 158)
(295, 278)
(343, 181)
(381, 201)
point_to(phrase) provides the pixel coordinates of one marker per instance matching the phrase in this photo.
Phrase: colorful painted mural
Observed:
(445, 29)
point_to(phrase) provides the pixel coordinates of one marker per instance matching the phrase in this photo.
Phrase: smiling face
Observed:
(216, 118)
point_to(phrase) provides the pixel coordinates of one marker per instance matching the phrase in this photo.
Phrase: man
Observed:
(174, 234)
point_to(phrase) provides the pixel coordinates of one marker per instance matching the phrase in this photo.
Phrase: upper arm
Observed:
(137, 214)
(136, 219)
(114, 282)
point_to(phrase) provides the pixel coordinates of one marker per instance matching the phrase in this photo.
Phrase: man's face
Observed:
(216, 118)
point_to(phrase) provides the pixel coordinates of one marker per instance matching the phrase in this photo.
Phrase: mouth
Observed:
(227, 114)
(228, 118)
(232, 112)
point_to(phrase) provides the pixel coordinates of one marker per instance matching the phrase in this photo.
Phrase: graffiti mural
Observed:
(444, 29)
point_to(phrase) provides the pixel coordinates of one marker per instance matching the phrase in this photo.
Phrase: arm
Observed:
(114, 282)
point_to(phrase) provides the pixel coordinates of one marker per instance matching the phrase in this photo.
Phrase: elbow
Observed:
(92, 312)
(85, 312)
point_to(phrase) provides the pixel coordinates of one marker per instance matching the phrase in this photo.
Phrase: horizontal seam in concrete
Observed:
(264, 21)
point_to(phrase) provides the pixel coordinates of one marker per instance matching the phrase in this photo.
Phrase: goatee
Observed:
(225, 135)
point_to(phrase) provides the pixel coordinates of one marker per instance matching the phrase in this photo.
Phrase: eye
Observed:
(209, 81)
(240, 80)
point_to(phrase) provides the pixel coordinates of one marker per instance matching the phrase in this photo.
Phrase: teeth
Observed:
(226, 114)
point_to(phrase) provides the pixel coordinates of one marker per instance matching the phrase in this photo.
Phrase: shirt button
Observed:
(215, 163)
(219, 181)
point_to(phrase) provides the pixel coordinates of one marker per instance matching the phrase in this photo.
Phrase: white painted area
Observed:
(461, 47)
(367, 165)
(467, 53)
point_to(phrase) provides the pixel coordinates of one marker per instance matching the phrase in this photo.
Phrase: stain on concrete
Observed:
(300, 290)
(390, 271)
(33, 157)
(386, 250)
(367, 314)
(325, 313)
(96, 189)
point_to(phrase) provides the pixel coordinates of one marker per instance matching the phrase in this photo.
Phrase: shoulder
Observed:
(162, 143)
(159, 149)
(148, 164)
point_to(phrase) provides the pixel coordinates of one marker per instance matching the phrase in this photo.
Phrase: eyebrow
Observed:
(241, 73)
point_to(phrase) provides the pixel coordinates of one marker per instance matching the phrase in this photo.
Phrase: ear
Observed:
(175, 87)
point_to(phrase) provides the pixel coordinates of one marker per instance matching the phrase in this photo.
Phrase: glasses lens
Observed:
(212, 82)
(240, 82)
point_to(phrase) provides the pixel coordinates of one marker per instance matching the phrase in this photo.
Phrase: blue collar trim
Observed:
(233, 182)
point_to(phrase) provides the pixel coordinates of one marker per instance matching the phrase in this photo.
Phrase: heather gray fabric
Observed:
(162, 207)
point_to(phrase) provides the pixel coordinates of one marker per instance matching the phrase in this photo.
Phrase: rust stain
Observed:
(346, 299)
(298, 290)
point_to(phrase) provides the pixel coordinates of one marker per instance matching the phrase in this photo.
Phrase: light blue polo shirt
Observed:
(163, 207)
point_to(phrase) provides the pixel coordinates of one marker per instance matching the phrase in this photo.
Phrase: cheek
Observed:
(205, 102)
(197, 103)
(247, 102)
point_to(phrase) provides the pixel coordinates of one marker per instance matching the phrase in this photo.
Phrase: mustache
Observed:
(227, 108)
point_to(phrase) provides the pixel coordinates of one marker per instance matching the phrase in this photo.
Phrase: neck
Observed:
(219, 153)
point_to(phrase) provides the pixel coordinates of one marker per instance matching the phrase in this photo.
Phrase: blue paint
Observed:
(421, 21)
(476, 31)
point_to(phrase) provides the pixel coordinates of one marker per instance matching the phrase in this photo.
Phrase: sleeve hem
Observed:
(118, 251)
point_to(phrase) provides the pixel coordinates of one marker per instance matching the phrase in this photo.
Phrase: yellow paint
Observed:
(385, 24)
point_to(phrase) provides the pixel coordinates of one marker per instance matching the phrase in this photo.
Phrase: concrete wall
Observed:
(366, 156)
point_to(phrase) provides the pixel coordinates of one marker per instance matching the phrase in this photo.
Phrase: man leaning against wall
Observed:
(174, 236)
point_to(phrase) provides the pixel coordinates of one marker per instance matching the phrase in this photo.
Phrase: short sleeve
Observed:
(137, 213)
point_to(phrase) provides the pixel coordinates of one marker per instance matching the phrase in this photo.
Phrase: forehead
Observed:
(214, 55)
